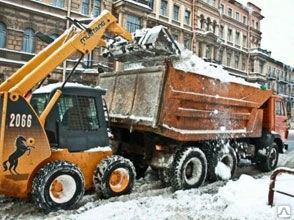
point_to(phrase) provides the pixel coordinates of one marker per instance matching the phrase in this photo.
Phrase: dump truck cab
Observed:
(77, 121)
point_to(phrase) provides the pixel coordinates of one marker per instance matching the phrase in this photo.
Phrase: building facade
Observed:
(220, 31)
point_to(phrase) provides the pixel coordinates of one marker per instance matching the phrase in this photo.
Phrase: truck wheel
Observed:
(229, 163)
(188, 169)
(114, 176)
(269, 161)
(164, 176)
(58, 185)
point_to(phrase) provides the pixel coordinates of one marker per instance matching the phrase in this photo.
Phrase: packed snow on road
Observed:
(244, 197)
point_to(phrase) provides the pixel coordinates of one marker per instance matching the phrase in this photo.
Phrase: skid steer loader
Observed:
(50, 148)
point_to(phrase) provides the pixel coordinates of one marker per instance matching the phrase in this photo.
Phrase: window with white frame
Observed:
(237, 38)
(150, 3)
(237, 16)
(176, 13)
(28, 41)
(230, 11)
(97, 8)
(58, 3)
(85, 7)
(133, 23)
(229, 36)
(163, 8)
(187, 17)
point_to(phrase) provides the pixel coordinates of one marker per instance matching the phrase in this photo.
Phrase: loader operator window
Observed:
(280, 108)
(38, 102)
(78, 113)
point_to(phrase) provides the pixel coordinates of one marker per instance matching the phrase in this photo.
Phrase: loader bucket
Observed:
(149, 44)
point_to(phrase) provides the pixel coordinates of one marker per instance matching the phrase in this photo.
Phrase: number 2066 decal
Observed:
(20, 120)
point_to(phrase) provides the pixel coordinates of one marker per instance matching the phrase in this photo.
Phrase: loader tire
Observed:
(269, 161)
(58, 185)
(114, 176)
(229, 159)
(189, 169)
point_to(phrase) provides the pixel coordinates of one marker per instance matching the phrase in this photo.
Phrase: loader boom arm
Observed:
(53, 55)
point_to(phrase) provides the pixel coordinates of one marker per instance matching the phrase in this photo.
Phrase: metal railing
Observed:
(272, 189)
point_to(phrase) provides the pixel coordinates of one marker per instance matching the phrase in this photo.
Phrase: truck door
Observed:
(80, 125)
(281, 119)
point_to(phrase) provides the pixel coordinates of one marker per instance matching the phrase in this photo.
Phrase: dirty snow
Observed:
(223, 171)
(242, 198)
(190, 62)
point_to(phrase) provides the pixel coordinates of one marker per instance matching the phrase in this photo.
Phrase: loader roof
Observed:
(51, 87)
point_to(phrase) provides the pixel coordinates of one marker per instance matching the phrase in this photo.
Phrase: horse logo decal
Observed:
(22, 146)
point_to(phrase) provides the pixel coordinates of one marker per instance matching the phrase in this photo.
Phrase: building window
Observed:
(213, 3)
(244, 41)
(244, 20)
(176, 13)
(237, 38)
(150, 3)
(230, 11)
(229, 37)
(236, 61)
(187, 17)
(260, 67)
(28, 41)
(176, 37)
(58, 3)
(97, 8)
(221, 32)
(243, 64)
(163, 8)
(229, 56)
(237, 16)
(133, 23)
(187, 44)
(252, 66)
(257, 25)
(208, 52)
(2, 35)
(220, 56)
(85, 7)
(222, 9)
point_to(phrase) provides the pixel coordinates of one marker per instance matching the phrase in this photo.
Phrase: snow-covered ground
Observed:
(245, 197)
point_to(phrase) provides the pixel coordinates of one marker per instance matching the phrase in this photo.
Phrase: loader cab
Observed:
(77, 121)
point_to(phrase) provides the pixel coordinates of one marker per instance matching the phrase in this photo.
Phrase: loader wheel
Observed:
(114, 176)
(188, 169)
(58, 185)
(269, 161)
(228, 160)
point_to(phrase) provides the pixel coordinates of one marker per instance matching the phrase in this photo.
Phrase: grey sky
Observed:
(277, 28)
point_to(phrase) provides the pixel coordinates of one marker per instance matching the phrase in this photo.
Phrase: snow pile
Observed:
(245, 198)
(190, 62)
(223, 171)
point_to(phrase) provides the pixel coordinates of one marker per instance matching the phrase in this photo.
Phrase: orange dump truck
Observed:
(192, 127)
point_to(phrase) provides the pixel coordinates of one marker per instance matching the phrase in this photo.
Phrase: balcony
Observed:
(256, 77)
(272, 76)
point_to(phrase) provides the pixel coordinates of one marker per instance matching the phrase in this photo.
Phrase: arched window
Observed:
(2, 35)
(28, 41)
(97, 8)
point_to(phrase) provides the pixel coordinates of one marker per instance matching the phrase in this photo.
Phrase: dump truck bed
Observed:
(183, 105)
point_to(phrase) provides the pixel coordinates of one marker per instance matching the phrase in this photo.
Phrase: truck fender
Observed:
(278, 139)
